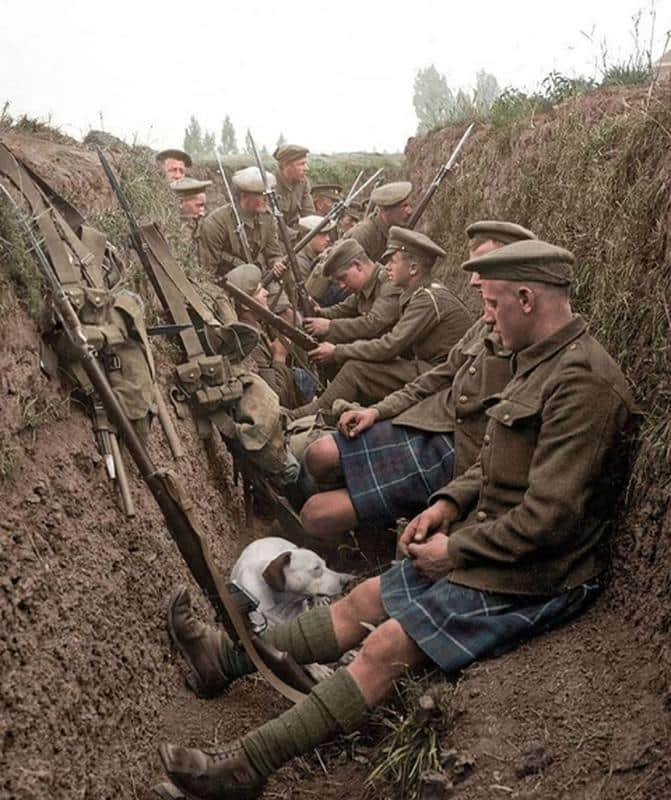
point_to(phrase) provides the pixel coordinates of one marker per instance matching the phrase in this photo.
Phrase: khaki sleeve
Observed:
(382, 316)
(579, 423)
(272, 251)
(214, 246)
(418, 318)
(463, 491)
(307, 203)
(345, 308)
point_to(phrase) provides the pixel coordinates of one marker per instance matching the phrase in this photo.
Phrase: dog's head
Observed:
(304, 573)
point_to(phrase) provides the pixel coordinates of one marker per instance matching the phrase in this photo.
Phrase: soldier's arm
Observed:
(272, 251)
(307, 203)
(382, 316)
(345, 308)
(579, 423)
(214, 246)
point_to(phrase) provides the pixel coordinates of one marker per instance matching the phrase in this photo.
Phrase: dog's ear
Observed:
(274, 575)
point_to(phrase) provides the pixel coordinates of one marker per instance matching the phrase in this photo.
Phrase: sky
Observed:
(334, 76)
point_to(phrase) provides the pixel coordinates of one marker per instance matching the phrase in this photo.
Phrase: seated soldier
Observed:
(506, 551)
(369, 310)
(293, 185)
(192, 197)
(432, 321)
(174, 163)
(325, 196)
(393, 208)
(308, 256)
(390, 468)
(350, 218)
(270, 356)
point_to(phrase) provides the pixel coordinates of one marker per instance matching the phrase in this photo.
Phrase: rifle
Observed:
(437, 179)
(336, 211)
(176, 507)
(240, 231)
(304, 301)
(300, 338)
(369, 204)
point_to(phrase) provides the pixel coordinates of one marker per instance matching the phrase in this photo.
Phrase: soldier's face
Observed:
(352, 279)
(400, 213)
(474, 281)
(347, 222)
(174, 169)
(509, 304)
(320, 242)
(296, 170)
(252, 203)
(193, 207)
(400, 270)
(323, 204)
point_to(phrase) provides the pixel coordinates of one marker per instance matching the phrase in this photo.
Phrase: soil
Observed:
(90, 685)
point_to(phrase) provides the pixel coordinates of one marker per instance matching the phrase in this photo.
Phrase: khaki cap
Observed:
(412, 242)
(188, 187)
(246, 277)
(249, 180)
(391, 194)
(310, 222)
(505, 232)
(180, 155)
(333, 191)
(341, 256)
(289, 152)
(529, 260)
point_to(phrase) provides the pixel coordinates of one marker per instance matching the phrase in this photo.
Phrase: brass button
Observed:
(506, 417)
(472, 370)
(463, 398)
(573, 347)
(481, 516)
(487, 439)
(459, 420)
(211, 369)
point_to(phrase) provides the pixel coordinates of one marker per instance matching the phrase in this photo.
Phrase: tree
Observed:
(432, 99)
(209, 146)
(281, 139)
(227, 143)
(248, 144)
(486, 92)
(193, 138)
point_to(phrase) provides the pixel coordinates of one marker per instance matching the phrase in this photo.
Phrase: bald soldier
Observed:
(371, 307)
(393, 208)
(174, 163)
(512, 547)
(293, 185)
(392, 456)
(432, 320)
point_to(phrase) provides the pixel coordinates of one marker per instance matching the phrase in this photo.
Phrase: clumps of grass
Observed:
(20, 279)
(418, 737)
(9, 454)
(37, 410)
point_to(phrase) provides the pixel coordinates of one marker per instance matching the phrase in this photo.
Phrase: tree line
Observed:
(202, 145)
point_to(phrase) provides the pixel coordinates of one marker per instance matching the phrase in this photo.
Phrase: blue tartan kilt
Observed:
(391, 471)
(455, 625)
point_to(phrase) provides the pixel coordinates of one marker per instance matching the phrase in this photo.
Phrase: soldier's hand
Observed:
(279, 351)
(436, 518)
(317, 326)
(323, 353)
(354, 422)
(432, 558)
(279, 269)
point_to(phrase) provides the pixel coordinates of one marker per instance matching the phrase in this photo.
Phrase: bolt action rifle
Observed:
(438, 178)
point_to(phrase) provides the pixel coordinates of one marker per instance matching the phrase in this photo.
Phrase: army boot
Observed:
(227, 774)
(215, 662)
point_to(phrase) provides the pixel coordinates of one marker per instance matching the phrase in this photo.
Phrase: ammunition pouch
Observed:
(210, 384)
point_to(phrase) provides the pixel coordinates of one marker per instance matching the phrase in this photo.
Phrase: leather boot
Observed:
(222, 775)
(199, 644)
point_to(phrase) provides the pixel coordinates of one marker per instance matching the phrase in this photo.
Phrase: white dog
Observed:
(284, 578)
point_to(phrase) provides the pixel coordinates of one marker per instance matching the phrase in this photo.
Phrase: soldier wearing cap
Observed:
(308, 256)
(293, 185)
(174, 163)
(434, 425)
(353, 215)
(511, 548)
(369, 310)
(192, 196)
(325, 196)
(432, 320)
(393, 208)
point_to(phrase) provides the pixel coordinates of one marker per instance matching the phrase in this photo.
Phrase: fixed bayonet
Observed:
(240, 231)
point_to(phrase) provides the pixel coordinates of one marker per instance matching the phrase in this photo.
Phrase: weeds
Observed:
(37, 410)
(9, 454)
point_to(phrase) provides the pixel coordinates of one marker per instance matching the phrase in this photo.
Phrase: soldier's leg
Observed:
(328, 513)
(322, 458)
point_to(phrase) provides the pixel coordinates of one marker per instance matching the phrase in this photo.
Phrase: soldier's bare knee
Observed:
(322, 456)
(385, 649)
(313, 514)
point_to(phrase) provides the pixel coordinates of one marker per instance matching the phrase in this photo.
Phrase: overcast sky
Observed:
(334, 76)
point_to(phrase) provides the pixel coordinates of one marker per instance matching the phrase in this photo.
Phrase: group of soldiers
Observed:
(500, 438)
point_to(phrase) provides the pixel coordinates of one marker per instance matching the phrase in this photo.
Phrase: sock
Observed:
(309, 637)
(335, 705)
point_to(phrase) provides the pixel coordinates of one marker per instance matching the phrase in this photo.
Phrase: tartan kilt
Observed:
(391, 470)
(454, 625)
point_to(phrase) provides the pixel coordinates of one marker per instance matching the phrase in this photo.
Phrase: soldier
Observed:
(293, 187)
(174, 163)
(370, 309)
(192, 196)
(352, 216)
(509, 549)
(393, 208)
(393, 455)
(308, 256)
(432, 320)
(325, 195)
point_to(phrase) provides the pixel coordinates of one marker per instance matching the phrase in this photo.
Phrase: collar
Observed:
(408, 293)
(532, 356)
(369, 287)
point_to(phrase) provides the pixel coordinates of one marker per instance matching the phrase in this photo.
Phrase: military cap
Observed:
(249, 180)
(341, 256)
(180, 155)
(354, 210)
(528, 260)
(391, 194)
(310, 222)
(331, 190)
(188, 187)
(246, 277)
(289, 152)
(505, 232)
(411, 242)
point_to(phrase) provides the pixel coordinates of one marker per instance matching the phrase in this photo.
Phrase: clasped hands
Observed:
(425, 540)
